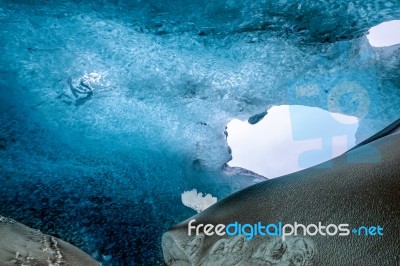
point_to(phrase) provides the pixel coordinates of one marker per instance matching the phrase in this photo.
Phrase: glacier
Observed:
(111, 109)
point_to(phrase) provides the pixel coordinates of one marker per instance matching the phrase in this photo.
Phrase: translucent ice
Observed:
(117, 155)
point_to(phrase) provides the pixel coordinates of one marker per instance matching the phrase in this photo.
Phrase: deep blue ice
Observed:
(110, 110)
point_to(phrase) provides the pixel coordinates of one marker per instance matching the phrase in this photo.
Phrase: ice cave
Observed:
(111, 109)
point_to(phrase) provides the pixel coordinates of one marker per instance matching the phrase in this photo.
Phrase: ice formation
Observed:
(356, 190)
(197, 201)
(117, 155)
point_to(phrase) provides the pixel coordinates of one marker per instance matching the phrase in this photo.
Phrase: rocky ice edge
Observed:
(21, 245)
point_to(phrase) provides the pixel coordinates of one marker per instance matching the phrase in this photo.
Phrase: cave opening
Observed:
(289, 138)
(385, 34)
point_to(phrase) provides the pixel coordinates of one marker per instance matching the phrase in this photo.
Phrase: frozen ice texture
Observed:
(361, 194)
(94, 170)
(197, 201)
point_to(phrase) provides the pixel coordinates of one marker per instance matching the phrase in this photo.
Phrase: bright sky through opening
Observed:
(289, 139)
(385, 34)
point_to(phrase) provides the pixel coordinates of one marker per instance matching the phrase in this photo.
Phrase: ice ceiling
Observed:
(110, 110)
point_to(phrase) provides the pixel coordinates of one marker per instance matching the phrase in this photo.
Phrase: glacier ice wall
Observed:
(101, 163)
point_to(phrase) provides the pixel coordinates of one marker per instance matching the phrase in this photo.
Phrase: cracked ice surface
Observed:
(117, 156)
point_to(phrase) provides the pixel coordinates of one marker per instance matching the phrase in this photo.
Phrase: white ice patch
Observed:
(89, 82)
(197, 201)
(289, 139)
(385, 34)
